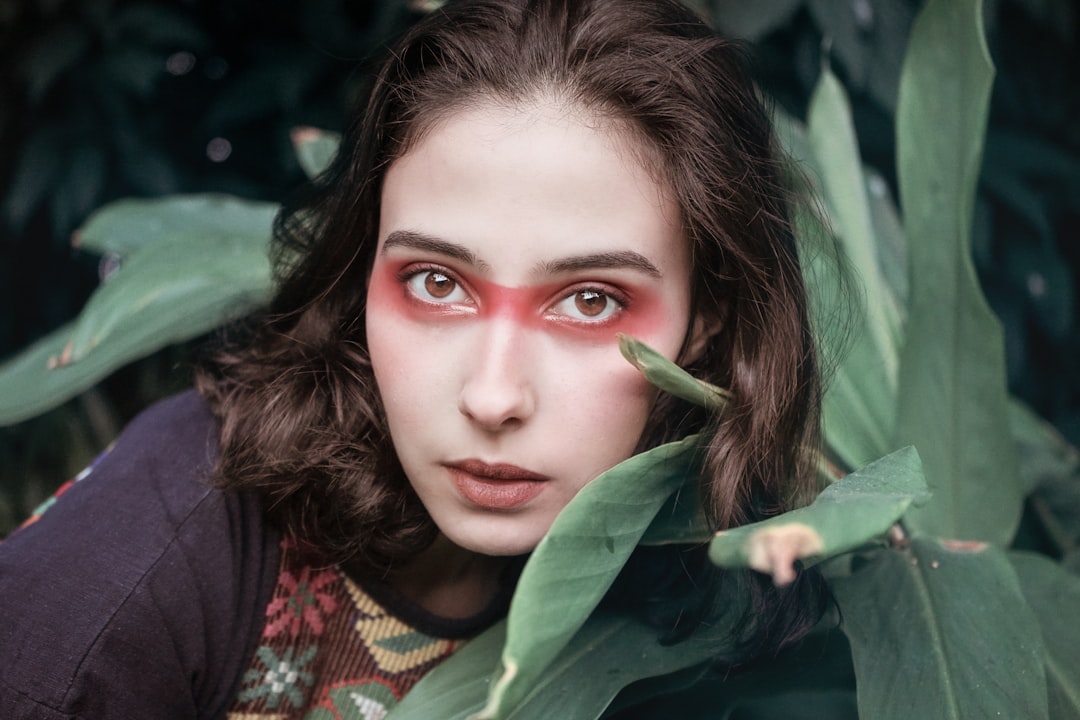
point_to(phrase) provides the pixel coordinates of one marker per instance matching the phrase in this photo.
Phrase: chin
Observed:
(496, 544)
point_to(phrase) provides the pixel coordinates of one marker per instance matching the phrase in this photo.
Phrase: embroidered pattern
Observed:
(307, 602)
(365, 700)
(50, 501)
(395, 646)
(282, 677)
(331, 652)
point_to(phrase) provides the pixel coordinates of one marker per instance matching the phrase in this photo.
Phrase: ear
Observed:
(702, 330)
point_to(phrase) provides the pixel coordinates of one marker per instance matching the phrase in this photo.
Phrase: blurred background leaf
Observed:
(108, 99)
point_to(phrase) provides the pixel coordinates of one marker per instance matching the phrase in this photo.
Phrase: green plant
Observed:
(944, 614)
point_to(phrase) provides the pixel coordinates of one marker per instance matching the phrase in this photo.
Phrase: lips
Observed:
(496, 486)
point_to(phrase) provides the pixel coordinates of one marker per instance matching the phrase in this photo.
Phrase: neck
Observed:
(449, 581)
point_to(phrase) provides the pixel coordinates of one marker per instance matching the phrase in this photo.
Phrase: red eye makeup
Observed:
(426, 292)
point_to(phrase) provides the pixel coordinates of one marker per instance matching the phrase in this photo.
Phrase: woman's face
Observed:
(514, 243)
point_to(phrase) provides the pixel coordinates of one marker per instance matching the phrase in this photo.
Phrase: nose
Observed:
(497, 393)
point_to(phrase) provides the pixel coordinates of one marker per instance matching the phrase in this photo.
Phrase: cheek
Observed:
(392, 341)
(600, 399)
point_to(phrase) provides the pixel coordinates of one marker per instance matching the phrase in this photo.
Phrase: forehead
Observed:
(541, 176)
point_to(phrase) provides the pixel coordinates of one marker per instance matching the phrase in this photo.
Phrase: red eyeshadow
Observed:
(525, 306)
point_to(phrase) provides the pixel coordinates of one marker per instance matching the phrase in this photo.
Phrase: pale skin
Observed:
(514, 243)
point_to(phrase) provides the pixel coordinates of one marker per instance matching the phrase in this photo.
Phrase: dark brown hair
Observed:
(301, 417)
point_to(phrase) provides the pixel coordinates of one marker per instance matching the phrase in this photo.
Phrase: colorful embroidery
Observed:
(331, 652)
(48, 503)
(365, 700)
(283, 677)
(395, 646)
(307, 602)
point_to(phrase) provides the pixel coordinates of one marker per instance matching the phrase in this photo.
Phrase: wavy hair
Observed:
(301, 420)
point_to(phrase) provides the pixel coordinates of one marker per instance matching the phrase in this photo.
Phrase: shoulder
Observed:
(140, 580)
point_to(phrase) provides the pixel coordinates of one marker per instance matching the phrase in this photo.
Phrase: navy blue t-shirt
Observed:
(141, 592)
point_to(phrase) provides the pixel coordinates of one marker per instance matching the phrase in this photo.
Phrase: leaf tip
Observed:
(303, 135)
(774, 550)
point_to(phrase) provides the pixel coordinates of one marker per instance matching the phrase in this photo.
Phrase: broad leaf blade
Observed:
(859, 406)
(576, 562)
(610, 651)
(1054, 595)
(171, 291)
(848, 514)
(125, 225)
(190, 264)
(940, 632)
(831, 134)
(952, 397)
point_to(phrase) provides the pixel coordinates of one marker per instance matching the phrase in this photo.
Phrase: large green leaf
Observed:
(811, 681)
(123, 226)
(610, 651)
(1054, 594)
(860, 405)
(952, 397)
(576, 562)
(177, 281)
(175, 290)
(941, 630)
(831, 134)
(848, 514)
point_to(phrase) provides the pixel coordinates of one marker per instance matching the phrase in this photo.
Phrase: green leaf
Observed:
(848, 514)
(191, 264)
(812, 681)
(1054, 595)
(125, 225)
(891, 241)
(669, 377)
(859, 407)
(952, 397)
(457, 687)
(940, 630)
(576, 562)
(610, 651)
(867, 38)
(831, 135)
(174, 290)
(315, 149)
(682, 518)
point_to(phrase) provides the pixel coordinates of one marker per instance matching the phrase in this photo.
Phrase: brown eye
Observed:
(434, 286)
(591, 303)
(438, 285)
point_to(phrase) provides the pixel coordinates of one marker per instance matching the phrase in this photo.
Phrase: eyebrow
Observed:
(421, 241)
(600, 261)
(617, 259)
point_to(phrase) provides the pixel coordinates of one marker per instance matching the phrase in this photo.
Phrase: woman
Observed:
(438, 375)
